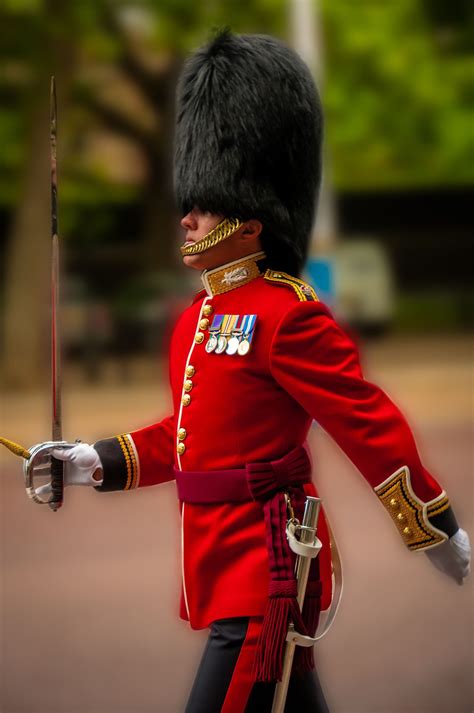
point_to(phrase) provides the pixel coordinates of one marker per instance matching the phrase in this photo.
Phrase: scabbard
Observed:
(302, 569)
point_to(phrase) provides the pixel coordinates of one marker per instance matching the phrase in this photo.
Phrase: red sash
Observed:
(269, 484)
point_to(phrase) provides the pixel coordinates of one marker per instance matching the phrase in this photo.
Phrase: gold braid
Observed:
(223, 230)
(15, 448)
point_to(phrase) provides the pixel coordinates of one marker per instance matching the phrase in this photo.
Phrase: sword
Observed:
(34, 463)
(57, 481)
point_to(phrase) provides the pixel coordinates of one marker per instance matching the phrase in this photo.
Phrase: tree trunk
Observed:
(26, 352)
(160, 229)
(28, 258)
(161, 226)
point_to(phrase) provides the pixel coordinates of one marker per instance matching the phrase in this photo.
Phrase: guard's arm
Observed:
(138, 459)
(124, 462)
(315, 361)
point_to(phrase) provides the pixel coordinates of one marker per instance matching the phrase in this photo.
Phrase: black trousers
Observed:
(218, 673)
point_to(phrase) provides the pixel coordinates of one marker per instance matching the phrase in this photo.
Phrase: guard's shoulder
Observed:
(302, 289)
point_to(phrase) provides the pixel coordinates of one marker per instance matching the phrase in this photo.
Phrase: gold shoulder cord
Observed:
(223, 230)
(304, 291)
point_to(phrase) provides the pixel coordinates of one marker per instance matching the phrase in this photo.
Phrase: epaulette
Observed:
(304, 291)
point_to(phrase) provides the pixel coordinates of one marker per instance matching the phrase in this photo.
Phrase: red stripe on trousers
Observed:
(241, 682)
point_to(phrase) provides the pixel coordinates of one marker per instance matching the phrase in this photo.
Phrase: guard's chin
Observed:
(196, 262)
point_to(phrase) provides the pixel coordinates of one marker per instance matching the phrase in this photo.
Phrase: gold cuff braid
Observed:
(130, 460)
(409, 513)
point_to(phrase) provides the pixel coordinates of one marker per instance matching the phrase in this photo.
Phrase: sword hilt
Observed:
(57, 484)
(36, 466)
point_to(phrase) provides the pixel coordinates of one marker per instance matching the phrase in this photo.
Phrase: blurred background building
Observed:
(392, 253)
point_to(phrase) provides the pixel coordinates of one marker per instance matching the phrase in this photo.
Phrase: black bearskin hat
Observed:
(248, 140)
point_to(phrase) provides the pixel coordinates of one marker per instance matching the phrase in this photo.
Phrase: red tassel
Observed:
(282, 608)
(304, 658)
(268, 664)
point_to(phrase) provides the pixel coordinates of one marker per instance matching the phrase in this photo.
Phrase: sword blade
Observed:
(57, 483)
(55, 341)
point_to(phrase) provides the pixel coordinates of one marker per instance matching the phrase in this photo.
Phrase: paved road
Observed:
(89, 608)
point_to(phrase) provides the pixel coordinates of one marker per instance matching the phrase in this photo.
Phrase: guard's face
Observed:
(198, 223)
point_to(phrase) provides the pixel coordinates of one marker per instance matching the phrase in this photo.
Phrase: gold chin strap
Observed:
(223, 230)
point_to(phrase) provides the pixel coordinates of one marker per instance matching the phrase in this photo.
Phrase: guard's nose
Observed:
(189, 221)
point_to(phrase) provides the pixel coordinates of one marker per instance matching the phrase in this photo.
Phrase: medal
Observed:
(221, 344)
(243, 347)
(226, 331)
(211, 343)
(232, 345)
(234, 341)
(248, 326)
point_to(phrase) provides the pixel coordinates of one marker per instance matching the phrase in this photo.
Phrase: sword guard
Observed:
(31, 468)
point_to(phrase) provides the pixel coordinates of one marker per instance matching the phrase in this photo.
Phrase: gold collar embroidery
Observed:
(234, 274)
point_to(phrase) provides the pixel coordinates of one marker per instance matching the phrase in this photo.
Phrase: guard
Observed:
(253, 360)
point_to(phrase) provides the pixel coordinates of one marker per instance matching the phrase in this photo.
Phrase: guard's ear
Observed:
(251, 229)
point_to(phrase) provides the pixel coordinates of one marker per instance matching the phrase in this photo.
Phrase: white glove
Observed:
(453, 557)
(80, 463)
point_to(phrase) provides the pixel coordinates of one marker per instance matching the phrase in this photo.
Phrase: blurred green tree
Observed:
(398, 93)
(116, 65)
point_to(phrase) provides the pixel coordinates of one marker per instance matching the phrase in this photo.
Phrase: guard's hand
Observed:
(82, 466)
(453, 557)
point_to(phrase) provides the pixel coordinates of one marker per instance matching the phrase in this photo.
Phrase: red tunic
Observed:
(244, 409)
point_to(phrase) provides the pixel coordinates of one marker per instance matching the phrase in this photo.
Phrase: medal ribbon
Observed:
(249, 326)
(229, 323)
(216, 323)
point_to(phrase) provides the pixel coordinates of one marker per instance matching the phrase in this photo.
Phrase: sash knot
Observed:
(265, 479)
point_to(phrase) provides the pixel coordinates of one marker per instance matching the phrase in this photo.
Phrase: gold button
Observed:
(406, 531)
(186, 400)
(180, 448)
(188, 385)
(400, 517)
(393, 503)
(190, 370)
(182, 434)
(199, 338)
(204, 323)
(207, 310)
